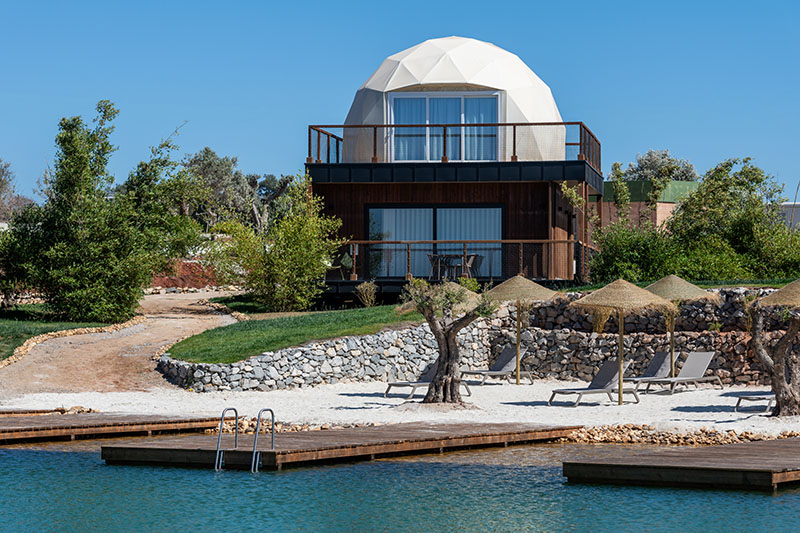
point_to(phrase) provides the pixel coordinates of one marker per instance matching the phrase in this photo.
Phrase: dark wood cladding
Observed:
(525, 205)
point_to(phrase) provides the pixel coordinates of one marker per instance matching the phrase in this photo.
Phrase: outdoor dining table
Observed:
(447, 263)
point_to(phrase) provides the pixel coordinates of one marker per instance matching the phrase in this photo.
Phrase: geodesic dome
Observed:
(458, 65)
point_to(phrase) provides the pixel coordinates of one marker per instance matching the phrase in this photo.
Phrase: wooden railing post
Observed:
(464, 262)
(328, 156)
(514, 143)
(444, 144)
(375, 144)
(309, 159)
(408, 261)
(319, 147)
(520, 258)
(337, 150)
(354, 255)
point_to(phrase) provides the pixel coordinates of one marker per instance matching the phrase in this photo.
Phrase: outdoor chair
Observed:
(423, 381)
(505, 366)
(475, 265)
(768, 397)
(693, 372)
(606, 381)
(658, 368)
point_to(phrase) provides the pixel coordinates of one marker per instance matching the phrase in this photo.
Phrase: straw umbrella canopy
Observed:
(623, 298)
(678, 291)
(788, 296)
(471, 299)
(521, 290)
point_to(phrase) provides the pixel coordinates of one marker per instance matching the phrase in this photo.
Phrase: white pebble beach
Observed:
(364, 403)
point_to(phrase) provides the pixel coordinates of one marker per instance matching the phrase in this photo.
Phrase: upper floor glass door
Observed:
(464, 143)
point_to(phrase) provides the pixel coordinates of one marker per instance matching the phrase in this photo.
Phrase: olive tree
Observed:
(447, 310)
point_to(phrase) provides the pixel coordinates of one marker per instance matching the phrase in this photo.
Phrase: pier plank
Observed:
(41, 427)
(308, 447)
(760, 465)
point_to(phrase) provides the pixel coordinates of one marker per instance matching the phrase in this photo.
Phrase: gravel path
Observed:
(111, 362)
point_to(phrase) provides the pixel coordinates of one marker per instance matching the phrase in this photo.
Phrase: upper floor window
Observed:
(464, 143)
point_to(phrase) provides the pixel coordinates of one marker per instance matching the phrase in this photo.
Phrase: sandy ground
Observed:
(364, 403)
(106, 362)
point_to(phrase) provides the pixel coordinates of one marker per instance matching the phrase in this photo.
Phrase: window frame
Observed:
(462, 95)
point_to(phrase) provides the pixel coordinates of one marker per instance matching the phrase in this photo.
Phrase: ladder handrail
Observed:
(218, 459)
(256, 453)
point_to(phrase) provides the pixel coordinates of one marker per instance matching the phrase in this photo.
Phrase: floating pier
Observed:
(760, 465)
(325, 446)
(31, 427)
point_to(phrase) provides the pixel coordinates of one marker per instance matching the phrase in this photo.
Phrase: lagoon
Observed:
(510, 489)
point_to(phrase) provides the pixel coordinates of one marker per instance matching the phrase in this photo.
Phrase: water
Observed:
(473, 491)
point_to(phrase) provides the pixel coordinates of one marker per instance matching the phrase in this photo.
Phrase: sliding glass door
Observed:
(464, 142)
(436, 259)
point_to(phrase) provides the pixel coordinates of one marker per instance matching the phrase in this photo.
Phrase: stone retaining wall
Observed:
(387, 356)
(729, 315)
(404, 354)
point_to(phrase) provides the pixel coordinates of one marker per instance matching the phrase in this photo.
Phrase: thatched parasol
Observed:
(471, 299)
(788, 296)
(624, 298)
(523, 291)
(678, 291)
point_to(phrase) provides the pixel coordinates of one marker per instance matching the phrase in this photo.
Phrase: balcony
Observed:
(403, 143)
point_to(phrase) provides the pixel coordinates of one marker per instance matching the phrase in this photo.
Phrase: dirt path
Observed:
(111, 362)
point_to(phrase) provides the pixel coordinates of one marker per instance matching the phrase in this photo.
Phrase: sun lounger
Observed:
(658, 368)
(606, 381)
(768, 397)
(423, 381)
(504, 367)
(693, 372)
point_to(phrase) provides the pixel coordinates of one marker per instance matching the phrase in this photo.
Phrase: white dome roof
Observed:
(453, 64)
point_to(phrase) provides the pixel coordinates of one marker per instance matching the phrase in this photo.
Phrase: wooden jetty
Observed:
(324, 446)
(761, 465)
(40, 427)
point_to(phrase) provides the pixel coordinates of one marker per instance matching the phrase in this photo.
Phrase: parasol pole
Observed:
(621, 328)
(519, 330)
(672, 347)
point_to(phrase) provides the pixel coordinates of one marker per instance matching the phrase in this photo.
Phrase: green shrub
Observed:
(284, 268)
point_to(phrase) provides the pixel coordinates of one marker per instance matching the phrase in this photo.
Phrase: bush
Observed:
(634, 253)
(285, 268)
(367, 293)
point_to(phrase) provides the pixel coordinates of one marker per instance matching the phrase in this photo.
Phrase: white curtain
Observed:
(409, 143)
(402, 224)
(480, 142)
(445, 111)
(473, 224)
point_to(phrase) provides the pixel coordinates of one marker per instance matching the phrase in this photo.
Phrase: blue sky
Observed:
(707, 80)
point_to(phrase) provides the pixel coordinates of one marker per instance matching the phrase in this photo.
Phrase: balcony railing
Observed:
(481, 259)
(522, 141)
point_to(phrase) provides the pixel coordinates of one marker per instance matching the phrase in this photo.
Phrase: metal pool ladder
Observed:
(219, 459)
(256, 459)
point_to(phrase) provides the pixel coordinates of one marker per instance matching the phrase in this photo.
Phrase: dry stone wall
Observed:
(566, 349)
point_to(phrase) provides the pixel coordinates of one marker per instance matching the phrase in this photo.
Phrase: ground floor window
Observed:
(435, 259)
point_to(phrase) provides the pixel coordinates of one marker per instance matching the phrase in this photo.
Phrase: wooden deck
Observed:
(324, 446)
(763, 465)
(39, 427)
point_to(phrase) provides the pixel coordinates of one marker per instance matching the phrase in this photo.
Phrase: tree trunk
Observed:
(783, 365)
(445, 386)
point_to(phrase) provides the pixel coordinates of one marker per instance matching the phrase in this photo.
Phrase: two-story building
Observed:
(449, 163)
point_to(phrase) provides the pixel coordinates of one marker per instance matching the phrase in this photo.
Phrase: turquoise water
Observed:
(56, 491)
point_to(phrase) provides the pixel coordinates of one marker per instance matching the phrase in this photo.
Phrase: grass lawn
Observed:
(22, 322)
(239, 341)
